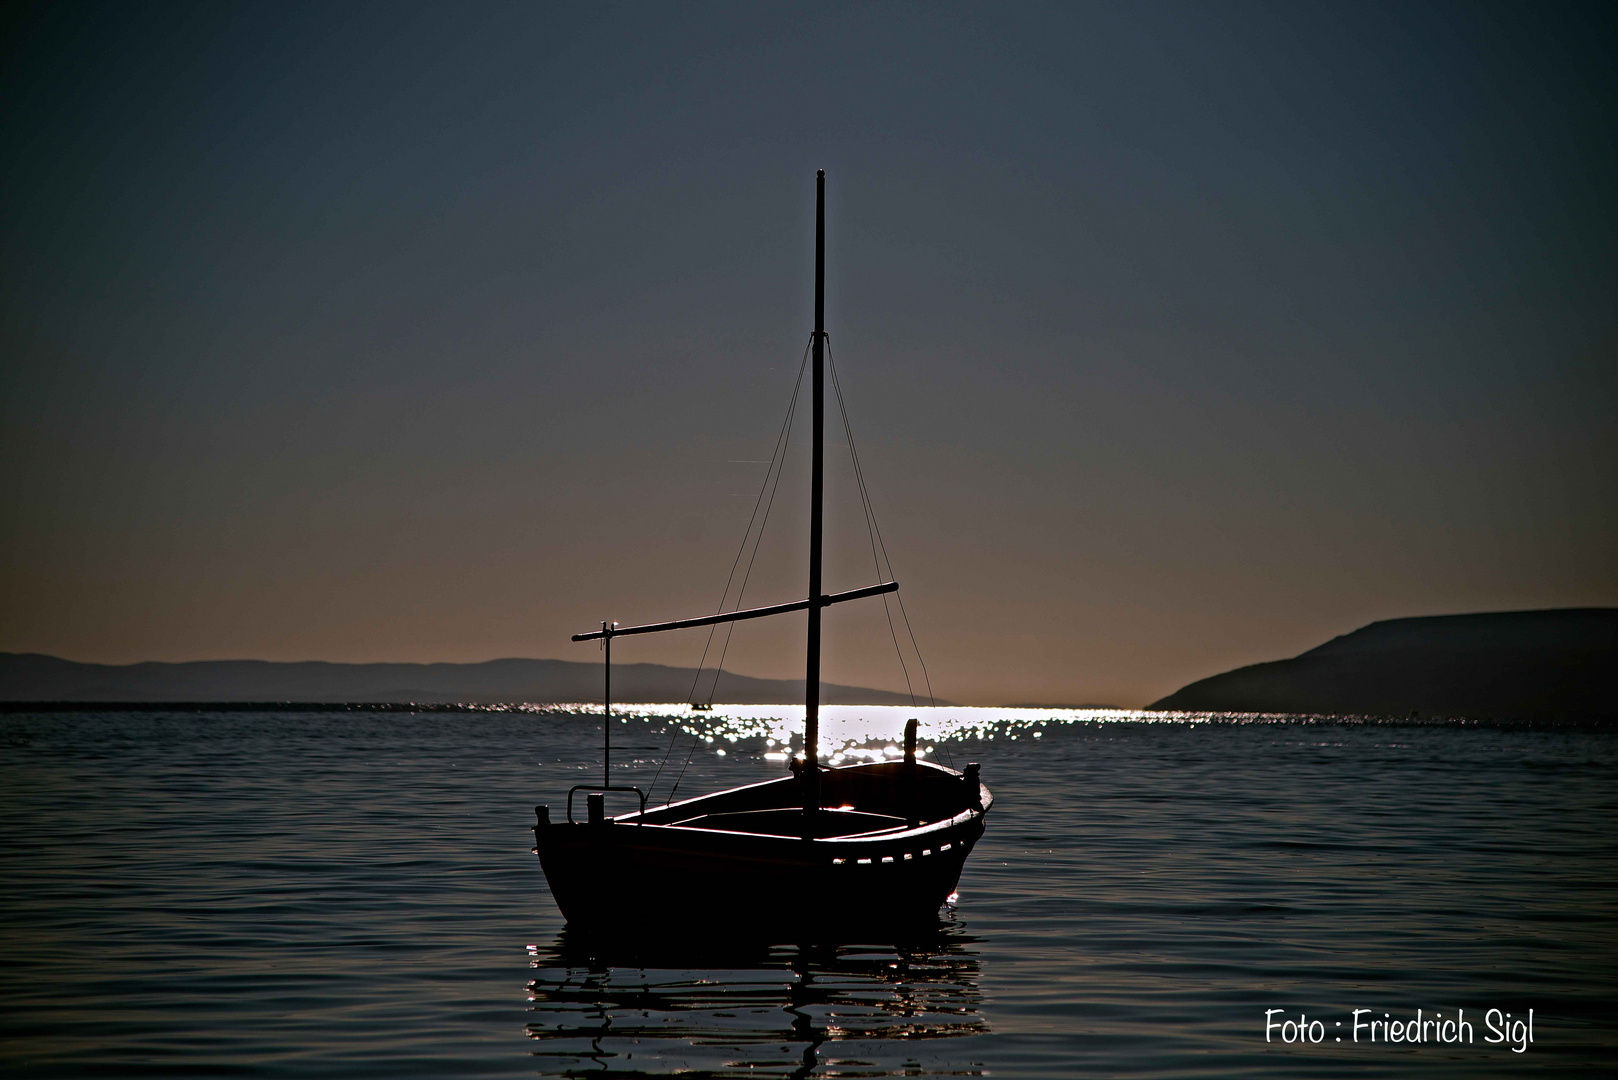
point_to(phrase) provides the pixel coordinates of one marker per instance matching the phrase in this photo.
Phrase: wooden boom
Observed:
(737, 616)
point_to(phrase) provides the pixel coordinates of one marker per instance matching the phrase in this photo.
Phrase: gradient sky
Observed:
(1176, 337)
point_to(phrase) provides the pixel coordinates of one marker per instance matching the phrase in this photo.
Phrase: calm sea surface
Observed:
(353, 893)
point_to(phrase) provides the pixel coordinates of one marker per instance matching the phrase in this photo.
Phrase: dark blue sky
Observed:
(1176, 337)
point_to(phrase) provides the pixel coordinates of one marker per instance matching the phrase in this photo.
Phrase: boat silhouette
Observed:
(833, 852)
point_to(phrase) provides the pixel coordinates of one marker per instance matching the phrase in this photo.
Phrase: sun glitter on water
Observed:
(855, 733)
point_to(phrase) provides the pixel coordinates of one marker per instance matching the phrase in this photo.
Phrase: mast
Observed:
(811, 678)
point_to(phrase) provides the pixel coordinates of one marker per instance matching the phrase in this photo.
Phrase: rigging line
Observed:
(894, 634)
(696, 740)
(865, 503)
(776, 461)
(904, 614)
(776, 464)
(869, 510)
(859, 478)
(872, 529)
(931, 700)
(672, 738)
(751, 559)
(786, 427)
(776, 458)
(859, 474)
(781, 443)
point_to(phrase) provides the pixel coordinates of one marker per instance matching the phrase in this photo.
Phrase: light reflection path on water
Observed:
(853, 733)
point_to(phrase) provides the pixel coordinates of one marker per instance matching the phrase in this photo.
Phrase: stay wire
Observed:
(777, 463)
(865, 505)
(663, 762)
(695, 742)
(876, 529)
(758, 540)
(873, 526)
(776, 460)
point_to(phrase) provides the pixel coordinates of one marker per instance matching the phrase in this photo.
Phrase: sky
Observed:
(1174, 337)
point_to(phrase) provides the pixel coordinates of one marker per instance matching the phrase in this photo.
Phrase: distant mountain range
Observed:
(1527, 665)
(1531, 665)
(34, 677)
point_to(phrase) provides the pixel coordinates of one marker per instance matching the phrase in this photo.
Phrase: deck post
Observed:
(907, 780)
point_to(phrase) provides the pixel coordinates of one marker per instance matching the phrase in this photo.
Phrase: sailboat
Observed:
(872, 847)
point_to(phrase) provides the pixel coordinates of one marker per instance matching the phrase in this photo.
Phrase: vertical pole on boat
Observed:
(811, 679)
(606, 707)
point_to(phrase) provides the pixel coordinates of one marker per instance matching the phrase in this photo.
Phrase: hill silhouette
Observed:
(35, 677)
(1526, 665)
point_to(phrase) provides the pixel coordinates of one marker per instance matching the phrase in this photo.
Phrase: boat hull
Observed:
(650, 874)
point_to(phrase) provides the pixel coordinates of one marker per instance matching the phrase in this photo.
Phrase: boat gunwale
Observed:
(883, 836)
(628, 818)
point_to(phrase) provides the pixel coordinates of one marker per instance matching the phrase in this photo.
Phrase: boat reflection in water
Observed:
(814, 1010)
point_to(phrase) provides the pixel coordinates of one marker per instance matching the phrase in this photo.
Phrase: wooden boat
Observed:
(874, 847)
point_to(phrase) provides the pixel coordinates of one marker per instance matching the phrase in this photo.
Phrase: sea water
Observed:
(347, 892)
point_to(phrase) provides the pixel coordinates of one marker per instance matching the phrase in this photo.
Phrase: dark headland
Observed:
(1507, 665)
(36, 678)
